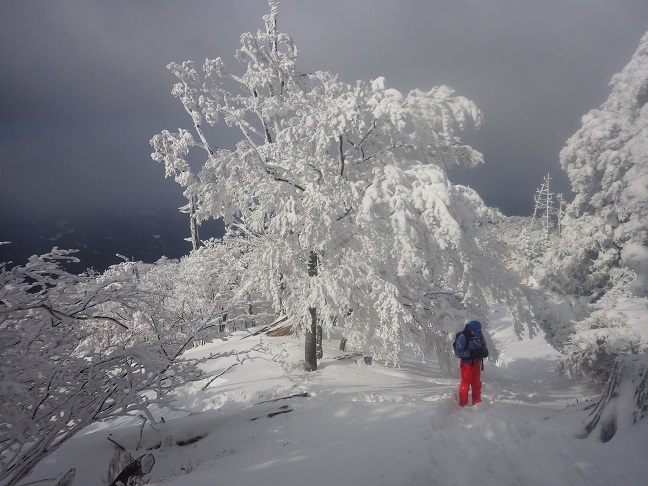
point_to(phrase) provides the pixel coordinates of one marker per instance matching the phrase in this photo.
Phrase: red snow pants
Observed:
(470, 377)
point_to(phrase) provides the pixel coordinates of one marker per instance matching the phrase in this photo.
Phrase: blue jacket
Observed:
(465, 347)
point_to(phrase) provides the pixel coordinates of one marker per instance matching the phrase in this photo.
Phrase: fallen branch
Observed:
(192, 440)
(279, 413)
(347, 356)
(119, 446)
(304, 394)
(219, 375)
(136, 469)
(282, 410)
(267, 328)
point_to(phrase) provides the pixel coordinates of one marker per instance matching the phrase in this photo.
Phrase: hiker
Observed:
(470, 346)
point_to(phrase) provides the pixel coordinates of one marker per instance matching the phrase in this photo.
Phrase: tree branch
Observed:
(342, 158)
(62, 315)
(349, 209)
(271, 172)
(219, 375)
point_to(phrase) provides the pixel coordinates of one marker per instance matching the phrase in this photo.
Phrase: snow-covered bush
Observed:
(592, 349)
(523, 243)
(586, 262)
(188, 301)
(205, 286)
(353, 174)
(625, 399)
(54, 378)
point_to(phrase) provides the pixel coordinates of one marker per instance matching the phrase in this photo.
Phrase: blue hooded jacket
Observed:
(465, 346)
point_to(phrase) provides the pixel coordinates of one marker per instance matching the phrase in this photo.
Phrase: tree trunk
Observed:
(311, 352)
(310, 355)
(318, 341)
(195, 239)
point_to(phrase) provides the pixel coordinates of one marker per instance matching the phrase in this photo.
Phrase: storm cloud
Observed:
(84, 85)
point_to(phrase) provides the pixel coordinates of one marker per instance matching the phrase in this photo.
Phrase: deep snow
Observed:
(365, 424)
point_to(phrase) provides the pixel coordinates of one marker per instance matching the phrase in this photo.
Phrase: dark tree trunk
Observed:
(221, 327)
(311, 351)
(318, 341)
(310, 362)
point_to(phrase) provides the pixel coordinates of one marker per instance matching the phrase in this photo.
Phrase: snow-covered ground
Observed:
(267, 422)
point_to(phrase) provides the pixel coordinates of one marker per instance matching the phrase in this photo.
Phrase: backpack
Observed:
(454, 343)
(479, 344)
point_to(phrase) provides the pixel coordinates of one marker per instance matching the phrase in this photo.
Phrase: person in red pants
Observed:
(470, 346)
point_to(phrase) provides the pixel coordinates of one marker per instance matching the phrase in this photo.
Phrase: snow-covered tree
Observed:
(548, 210)
(55, 377)
(529, 238)
(606, 226)
(172, 149)
(353, 177)
(543, 208)
(200, 296)
(602, 256)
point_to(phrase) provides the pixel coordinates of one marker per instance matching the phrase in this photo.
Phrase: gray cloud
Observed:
(84, 85)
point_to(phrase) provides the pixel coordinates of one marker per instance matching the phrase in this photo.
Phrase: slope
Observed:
(265, 421)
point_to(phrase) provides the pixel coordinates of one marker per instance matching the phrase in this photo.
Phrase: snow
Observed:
(635, 310)
(635, 256)
(365, 424)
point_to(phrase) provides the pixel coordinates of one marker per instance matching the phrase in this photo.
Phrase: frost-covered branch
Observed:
(63, 367)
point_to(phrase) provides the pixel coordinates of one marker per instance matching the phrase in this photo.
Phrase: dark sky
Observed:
(84, 85)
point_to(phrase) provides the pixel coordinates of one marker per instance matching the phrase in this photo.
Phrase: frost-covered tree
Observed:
(353, 177)
(543, 208)
(602, 256)
(529, 238)
(548, 210)
(200, 294)
(606, 226)
(172, 149)
(56, 376)
(519, 239)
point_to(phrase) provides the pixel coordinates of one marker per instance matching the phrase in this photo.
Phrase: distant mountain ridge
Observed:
(144, 234)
